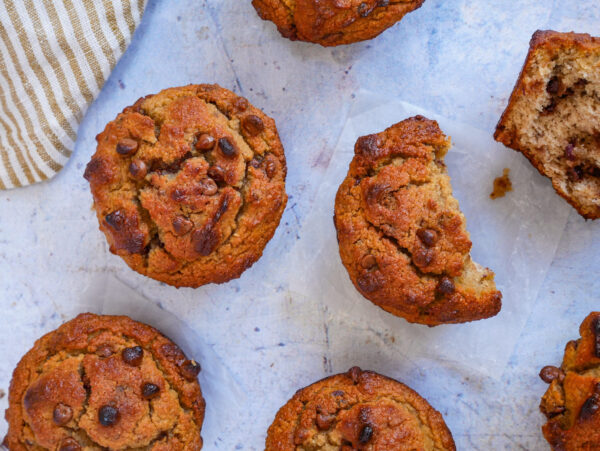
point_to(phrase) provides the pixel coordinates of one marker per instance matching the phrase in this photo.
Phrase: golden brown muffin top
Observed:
(358, 410)
(401, 235)
(572, 401)
(105, 382)
(189, 184)
(333, 22)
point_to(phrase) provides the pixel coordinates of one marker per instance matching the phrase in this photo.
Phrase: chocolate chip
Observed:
(69, 444)
(368, 145)
(553, 86)
(550, 107)
(216, 173)
(209, 187)
(270, 168)
(383, 2)
(105, 350)
(596, 332)
(181, 225)
(190, 369)
(423, 257)
(369, 282)
(62, 414)
(589, 407)
(550, 373)
(127, 146)
(227, 147)
(575, 174)
(133, 356)
(241, 104)
(116, 220)
(363, 9)
(138, 169)
(252, 125)
(205, 240)
(205, 142)
(368, 261)
(324, 422)
(338, 393)
(178, 195)
(255, 163)
(427, 236)
(354, 374)
(150, 391)
(365, 435)
(569, 152)
(108, 415)
(446, 286)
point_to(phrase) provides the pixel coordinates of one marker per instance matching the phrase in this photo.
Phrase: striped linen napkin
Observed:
(54, 58)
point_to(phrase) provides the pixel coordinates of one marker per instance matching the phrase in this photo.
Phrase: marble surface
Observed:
(458, 58)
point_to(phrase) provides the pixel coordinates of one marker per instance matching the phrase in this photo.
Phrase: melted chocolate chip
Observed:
(104, 351)
(427, 236)
(363, 10)
(127, 146)
(205, 240)
(138, 169)
(181, 225)
(205, 142)
(589, 407)
(178, 195)
(446, 286)
(423, 257)
(550, 373)
(150, 391)
(365, 434)
(227, 147)
(575, 174)
(108, 415)
(116, 220)
(252, 125)
(369, 282)
(270, 168)
(553, 86)
(596, 332)
(69, 444)
(209, 187)
(383, 2)
(368, 145)
(569, 155)
(354, 374)
(241, 104)
(216, 173)
(62, 414)
(190, 369)
(133, 356)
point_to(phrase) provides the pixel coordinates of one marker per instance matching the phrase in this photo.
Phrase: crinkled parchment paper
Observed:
(516, 236)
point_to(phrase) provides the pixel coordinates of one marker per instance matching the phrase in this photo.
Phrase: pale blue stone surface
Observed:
(458, 58)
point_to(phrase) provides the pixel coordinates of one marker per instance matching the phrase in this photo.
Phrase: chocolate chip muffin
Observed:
(189, 185)
(572, 402)
(105, 382)
(553, 116)
(333, 22)
(358, 410)
(401, 235)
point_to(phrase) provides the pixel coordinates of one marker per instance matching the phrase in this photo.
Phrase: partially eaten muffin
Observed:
(553, 116)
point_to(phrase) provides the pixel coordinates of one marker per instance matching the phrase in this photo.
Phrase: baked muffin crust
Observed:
(189, 185)
(105, 382)
(401, 235)
(358, 410)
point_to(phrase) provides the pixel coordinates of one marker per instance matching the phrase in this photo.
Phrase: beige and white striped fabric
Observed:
(54, 58)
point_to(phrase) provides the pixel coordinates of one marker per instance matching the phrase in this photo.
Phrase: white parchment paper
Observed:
(516, 236)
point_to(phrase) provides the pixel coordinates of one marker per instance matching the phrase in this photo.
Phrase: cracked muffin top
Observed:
(572, 401)
(358, 410)
(333, 22)
(189, 185)
(553, 115)
(105, 382)
(401, 235)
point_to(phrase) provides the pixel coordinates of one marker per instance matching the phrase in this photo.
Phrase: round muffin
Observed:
(333, 22)
(105, 382)
(189, 185)
(572, 401)
(358, 410)
(401, 234)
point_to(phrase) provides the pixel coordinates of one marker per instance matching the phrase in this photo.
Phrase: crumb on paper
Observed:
(2, 393)
(502, 185)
